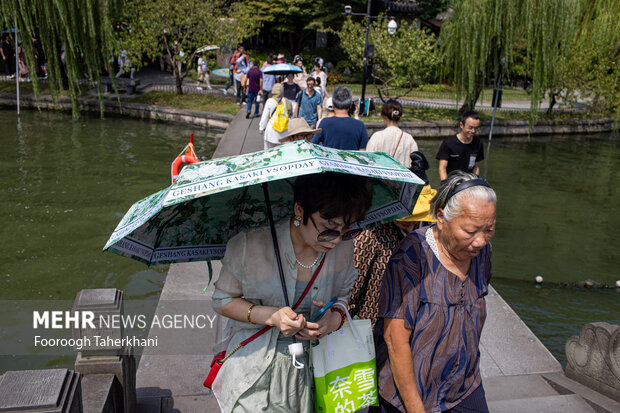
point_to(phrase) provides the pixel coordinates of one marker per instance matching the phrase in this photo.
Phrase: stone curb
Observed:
(113, 107)
(431, 130)
(503, 128)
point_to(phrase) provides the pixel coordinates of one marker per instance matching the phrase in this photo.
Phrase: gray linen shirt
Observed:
(249, 270)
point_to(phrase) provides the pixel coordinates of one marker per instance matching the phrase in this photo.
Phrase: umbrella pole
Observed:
(275, 242)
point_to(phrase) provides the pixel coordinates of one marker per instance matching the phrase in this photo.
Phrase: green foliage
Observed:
(152, 26)
(298, 19)
(590, 70)
(403, 60)
(294, 16)
(568, 48)
(430, 8)
(83, 27)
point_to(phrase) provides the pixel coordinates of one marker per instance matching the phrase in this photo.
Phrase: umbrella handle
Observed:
(275, 242)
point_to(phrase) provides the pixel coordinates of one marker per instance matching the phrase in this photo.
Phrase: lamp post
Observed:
(369, 48)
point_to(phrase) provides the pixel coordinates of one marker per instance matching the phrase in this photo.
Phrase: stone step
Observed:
(600, 402)
(516, 387)
(569, 403)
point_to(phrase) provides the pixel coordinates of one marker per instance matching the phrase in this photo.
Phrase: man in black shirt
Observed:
(462, 151)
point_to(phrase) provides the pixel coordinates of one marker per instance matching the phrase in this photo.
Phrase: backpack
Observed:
(280, 117)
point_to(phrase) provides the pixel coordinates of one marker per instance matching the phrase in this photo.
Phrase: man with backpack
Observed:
(276, 114)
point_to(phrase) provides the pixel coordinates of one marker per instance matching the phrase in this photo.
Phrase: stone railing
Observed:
(104, 380)
(594, 358)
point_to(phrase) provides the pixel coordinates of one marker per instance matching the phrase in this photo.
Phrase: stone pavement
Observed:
(166, 81)
(151, 78)
(519, 373)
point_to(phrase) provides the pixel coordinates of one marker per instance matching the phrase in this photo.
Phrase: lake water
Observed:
(67, 184)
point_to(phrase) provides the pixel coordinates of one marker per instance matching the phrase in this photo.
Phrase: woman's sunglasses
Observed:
(332, 234)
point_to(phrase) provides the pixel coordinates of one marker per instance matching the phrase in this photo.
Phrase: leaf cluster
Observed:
(294, 16)
(406, 59)
(178, 29)
(570, 47)
(81, 31)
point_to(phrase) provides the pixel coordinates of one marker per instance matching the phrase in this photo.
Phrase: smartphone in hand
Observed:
(323, 309)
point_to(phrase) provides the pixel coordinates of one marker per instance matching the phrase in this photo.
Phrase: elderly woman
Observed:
(261, 376)
(432, 306)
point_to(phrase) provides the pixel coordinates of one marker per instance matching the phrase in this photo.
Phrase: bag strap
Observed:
(398, 143)
(276, 108)
(267, 328)
(356, 334)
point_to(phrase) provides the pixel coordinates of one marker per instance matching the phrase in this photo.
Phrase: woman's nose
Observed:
(479, 240)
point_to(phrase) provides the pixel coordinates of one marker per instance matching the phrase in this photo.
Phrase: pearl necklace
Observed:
(307, 266)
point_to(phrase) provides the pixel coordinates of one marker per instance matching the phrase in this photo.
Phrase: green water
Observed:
(67, 184)
(65, 187)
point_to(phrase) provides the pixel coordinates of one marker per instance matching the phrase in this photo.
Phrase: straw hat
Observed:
(299, 125)
(421, 211)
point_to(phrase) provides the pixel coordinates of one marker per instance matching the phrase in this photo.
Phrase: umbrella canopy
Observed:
(212, 201)
(221, 72)
(207, 48)
(281, 69)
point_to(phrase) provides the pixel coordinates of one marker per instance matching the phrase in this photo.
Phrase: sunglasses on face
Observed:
(332, 234)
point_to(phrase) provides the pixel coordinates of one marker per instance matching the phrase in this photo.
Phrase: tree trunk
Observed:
(179, 83)
(471, 99)
(177, 76)
(291, 43)
(552, 102)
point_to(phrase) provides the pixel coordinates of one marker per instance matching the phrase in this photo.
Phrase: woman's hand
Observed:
(326, 324)
(288, 321)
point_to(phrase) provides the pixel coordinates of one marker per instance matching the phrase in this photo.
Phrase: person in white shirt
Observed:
(203, 71)
(393, 140)
(271, 136)
(319, 72)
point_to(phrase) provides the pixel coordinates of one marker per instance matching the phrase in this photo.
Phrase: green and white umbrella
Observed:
(212, 201)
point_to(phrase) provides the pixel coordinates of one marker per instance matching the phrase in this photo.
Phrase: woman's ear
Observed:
(441, 219)
(298, 210)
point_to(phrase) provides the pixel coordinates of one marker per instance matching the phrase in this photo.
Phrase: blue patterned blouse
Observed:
(445, 315)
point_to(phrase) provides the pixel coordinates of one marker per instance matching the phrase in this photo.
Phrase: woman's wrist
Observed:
(262, 314)
(339, 316)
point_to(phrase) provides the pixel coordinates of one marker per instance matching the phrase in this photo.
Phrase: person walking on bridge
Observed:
(462, 151)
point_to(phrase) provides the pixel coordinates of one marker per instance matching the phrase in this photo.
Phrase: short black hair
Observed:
(333, 195)
(469, 114)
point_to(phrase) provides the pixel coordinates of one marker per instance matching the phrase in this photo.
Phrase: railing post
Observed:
(96, 360)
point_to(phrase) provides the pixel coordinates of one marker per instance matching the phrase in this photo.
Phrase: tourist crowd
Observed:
(420, 280)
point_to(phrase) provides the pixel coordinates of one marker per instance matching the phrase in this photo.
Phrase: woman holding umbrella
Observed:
(315, 240)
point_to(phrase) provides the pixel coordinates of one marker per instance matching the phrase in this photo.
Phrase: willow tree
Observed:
(590, 71)
(80, 30)
(484, 33)
(151, 27)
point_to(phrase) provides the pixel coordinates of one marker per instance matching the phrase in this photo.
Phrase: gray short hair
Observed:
(451, 203)
(342, 97)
